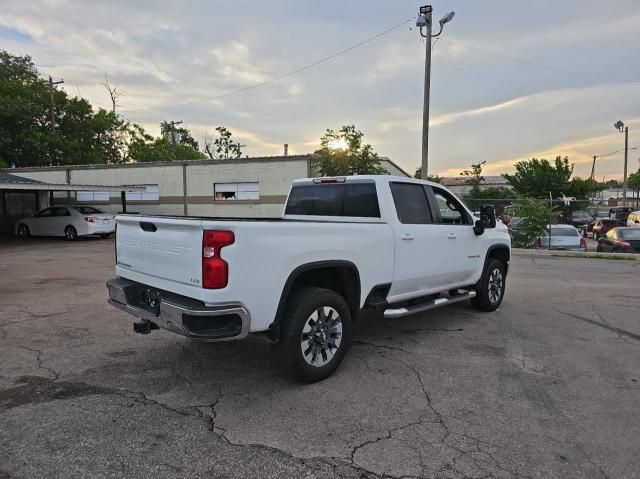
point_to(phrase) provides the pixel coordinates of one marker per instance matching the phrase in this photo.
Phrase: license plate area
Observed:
(145, 298)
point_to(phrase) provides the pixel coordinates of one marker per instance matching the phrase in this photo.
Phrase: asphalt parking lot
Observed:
(546, 387)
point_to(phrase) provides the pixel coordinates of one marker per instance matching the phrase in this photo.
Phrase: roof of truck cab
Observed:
(376, 178)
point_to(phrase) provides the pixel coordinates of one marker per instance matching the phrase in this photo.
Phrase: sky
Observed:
(170, 60)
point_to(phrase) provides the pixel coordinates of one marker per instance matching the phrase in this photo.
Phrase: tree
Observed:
(633, 182)
(534, 224)
(474, 178)
(222, 146)
(535, 178)
(113, 92)
(432, 178)
(343, 153)
(145, 148)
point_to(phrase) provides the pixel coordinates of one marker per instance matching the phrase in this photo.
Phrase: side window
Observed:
(352, 199)
(59, 211)
(411, 203)
(46, 213)
(451, 211)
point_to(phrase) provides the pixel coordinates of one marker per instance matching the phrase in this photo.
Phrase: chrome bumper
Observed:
(180, 315)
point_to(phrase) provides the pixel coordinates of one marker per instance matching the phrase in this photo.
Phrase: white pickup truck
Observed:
(343, 244)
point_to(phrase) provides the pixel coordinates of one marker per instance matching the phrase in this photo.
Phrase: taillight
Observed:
(89, 219)
(583, 243)
(538, 243)
(215, 270)
(624, 244)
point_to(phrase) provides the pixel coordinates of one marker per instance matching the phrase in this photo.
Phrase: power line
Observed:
(279, 77)
(611, 153)
(540, 65)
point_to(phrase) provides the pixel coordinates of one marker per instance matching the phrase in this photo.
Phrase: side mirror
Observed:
(478, 228)
(488, 216)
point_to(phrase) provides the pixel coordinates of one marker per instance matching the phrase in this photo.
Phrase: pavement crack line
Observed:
(40, 362)
(605, 325)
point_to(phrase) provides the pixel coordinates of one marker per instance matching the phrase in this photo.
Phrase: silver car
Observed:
(67, 221)
(565, 237)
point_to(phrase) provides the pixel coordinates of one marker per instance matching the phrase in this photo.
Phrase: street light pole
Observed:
(425, 21)
(619, 125)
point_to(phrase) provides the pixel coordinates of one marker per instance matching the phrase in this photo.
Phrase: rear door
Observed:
(462, 250)
(159, 251)
(419, 263)
(41, 222)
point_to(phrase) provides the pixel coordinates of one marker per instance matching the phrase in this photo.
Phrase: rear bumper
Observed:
(179, 314)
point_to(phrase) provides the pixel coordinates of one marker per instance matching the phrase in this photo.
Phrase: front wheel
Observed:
(315, 334)
(490, 288)
(23, 231)
(70, 233)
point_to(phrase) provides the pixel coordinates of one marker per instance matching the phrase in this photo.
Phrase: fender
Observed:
(494, 247)
(274, 327)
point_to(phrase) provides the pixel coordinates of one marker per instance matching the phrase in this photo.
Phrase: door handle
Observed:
(452, 236)
(407, 236)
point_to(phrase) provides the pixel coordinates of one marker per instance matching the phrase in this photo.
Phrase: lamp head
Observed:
(447, 18)
(618, 125)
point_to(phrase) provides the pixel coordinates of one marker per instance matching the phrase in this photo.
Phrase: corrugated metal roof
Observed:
(9, 178)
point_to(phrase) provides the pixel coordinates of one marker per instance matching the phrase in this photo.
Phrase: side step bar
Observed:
(393, 313)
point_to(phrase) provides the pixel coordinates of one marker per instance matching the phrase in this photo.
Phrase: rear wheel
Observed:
(315, 334)
(70, 233)
(490, 288)
(23, 231)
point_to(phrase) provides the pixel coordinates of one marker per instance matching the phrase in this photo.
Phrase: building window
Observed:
(236, 191)
(92, 196)
(150, 194)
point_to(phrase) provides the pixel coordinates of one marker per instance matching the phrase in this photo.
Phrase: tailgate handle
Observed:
(146, 226)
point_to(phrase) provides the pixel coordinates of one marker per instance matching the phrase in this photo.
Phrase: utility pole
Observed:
(425, 21)
(619, 125)
(52, 110)
(172, 130)
(593, 168)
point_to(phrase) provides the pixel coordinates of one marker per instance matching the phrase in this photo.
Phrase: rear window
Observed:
(564, 232)
(87, 210)
(630, 234)
(331, 199)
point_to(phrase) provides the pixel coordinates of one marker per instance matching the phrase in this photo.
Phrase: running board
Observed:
(393, 313)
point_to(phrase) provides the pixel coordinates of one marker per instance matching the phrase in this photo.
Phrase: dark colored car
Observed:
(620, 240)
(620, 213)
(602, 226)
(580, 218)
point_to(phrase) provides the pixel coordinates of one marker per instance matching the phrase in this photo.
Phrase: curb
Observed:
(570, 254)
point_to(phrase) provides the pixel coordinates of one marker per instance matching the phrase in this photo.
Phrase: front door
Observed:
(463, 257)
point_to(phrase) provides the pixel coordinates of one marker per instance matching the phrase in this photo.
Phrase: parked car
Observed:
(621, 240)
(580, 218)
(68, 221)
(565, 237)
(343, 244)
(620, 213)
(515, 226)
(633, 220)
(601, 227)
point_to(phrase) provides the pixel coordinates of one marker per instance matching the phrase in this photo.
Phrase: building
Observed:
(247, 187)
(22, 196)
(458, 184)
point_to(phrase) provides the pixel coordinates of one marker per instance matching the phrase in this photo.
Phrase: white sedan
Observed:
(67, 221)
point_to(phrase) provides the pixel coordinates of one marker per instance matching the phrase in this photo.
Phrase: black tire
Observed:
(70, 233)
(599, 248)
(301, 308)
(105, 235)
(490, 289)
(23, 231)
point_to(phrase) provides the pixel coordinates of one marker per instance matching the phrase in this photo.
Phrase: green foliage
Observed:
(343, 153)
(474, 178)
(633, 180)
(536, 219)
(222, 146)
(181, 135)
(80, 135)
(432, 178)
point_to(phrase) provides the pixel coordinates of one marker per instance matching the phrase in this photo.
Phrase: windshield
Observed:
(87, 210)
(630, 234)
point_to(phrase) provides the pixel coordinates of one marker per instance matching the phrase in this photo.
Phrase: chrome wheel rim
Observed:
(70, 233)
(22, 231)
(321, 336)
(496, 284)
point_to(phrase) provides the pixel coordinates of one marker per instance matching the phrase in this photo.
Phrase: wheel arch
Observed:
(501, 252)
(338, 275)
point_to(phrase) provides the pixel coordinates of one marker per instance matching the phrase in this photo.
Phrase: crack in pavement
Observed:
(605, 325)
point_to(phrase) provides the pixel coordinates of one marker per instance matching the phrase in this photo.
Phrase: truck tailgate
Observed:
(167, 249)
